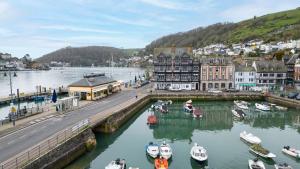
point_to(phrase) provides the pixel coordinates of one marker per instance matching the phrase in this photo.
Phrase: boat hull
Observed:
(291, 153)
(267, 156)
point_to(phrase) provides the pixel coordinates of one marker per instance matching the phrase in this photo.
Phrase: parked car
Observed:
(298, 97)
(293, 95)
(214, 91)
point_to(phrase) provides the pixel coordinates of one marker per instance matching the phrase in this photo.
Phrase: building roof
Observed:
(271, 66)
(91, 81)
(292, 60)
(244, 68)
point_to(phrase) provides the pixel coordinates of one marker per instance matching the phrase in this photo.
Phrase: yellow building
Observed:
(94, 87)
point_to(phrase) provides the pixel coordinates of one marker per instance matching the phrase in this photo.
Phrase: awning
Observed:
(247, 84)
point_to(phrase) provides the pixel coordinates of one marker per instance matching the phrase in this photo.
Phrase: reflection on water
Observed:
(217, 131)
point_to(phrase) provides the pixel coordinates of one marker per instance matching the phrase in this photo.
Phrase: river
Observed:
(217, 131)
(26, 81)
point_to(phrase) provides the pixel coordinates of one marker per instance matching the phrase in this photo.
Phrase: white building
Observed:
(244, 77)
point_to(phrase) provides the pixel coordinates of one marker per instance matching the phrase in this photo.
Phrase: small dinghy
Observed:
(260, 151)
(188, 107)
(256, 164)
(165, 150)
(152, 150)
(238, 113)
(291, 151)
(161, 163)
(263, 107)
(250, 138)
(116, 164)
(282, 166)
(197, 113)
(281, 108)
(151, 120)
(163, 108)
(241, 104)
(198, 153)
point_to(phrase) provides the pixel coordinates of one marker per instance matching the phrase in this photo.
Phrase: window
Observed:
(271, 74)
(265, 75)
(264, 81)
(210, 85)
(216, 85)
(222, 85)
(279, 75)
(271, 81)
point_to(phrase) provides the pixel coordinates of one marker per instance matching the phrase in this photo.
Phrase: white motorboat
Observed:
(250, 138)
(260, 151)
(198, 153)
(152, 150)
(116, 164)
(188, 107)
(263, 107)
(241, 104)
(291, 151)
(256, 164)
(238, 113)
(165, 150)
(282, 166)
(281, 108)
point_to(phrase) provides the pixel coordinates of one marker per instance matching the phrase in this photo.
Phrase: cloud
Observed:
(76, 29)
(6, 10)
(163, 4)
(257, 8)
(142, 22)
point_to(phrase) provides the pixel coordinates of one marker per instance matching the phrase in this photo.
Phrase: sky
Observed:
(38, 27)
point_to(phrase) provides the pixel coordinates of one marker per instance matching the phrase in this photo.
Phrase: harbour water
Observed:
(26, 81)
(217, 131)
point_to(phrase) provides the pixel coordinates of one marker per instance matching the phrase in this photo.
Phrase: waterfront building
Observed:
(94, 87)
(290, 64)
(174, 68)
(270, 73)
(244, 77)
(217, 73)
(297, 74)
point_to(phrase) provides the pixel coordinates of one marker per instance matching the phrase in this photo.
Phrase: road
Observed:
(23, 139)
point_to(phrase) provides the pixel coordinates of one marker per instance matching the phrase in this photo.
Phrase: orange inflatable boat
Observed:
(161, 163)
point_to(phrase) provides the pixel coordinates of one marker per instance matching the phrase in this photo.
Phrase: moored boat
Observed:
(260, 151)
(165, 150)
(161, 163)
(256, 164)
(197, 113)
(281, 108)
(282, 166)
(152, 119)
(241, 104)
(188, 107)
(238, 113)
(250, 138)
(152, 150)
(291, 151)
(263, 107)
(198, 153)
(116, 164)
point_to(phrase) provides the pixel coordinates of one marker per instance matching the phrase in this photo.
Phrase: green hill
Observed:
(272, 27)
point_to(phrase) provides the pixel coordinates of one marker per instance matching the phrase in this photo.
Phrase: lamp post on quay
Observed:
(12, 109)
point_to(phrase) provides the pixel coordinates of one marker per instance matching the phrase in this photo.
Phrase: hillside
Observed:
(84, 56)
(272, 27)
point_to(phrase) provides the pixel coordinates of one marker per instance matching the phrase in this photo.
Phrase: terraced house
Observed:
(217, 73)
(270, 74)
(175, 69)
(244, 77)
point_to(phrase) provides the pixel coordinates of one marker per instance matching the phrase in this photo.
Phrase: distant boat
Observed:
(151, 120)
(260, 151)
(188, 107)
(250, 138)
(161, 163)
(263, 107)
(152, 150)
(241, 104)
(116, 164)
(282, 166)
(291, 151)
(198, 153)
(238, 113)
(165, 150)
(281, 108)
(256, 164)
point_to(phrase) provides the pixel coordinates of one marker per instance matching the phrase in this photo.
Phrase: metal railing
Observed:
(35, 152)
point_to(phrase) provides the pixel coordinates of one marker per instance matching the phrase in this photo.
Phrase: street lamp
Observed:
(13, 110)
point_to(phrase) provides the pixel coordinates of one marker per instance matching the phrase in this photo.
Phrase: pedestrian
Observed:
(136, 96)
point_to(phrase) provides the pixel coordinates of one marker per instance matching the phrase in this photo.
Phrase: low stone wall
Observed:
(119, 118)
(65, 153)
(283, 101)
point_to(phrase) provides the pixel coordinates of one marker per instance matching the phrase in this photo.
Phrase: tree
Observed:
(278, 55)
